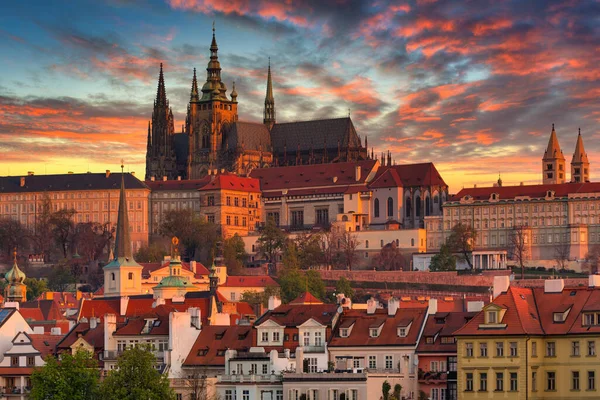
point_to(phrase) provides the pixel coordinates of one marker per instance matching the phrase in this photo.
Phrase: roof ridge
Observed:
(512, 296)
(313, 120)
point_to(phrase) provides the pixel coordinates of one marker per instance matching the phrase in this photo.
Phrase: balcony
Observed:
(325, 376)
(249, 378)
(432, 377)
(14, 390)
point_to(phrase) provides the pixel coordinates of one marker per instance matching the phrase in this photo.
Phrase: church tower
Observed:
(580, 165)
(122, 275)
(553, 163)
(15, 290)
(209, 112)
(160, 155)
(269, 113)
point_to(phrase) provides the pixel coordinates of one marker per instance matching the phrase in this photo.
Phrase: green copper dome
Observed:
(15, 275)
(173, 281)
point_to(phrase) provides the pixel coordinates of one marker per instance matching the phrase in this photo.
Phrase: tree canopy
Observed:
(74, 377)
(444, 260)
(271, 240)
(154, 252)
(136, 378)
(462, 241)
(234, 254)
(343, 286)
(294, 282)
(196, 235)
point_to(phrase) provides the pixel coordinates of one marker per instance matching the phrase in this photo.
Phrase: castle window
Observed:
(376, 208)
(130, 276)
(390, 207)
(112, 276)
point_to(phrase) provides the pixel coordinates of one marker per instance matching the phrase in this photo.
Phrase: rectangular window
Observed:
(275, 216)
(483, 350)
(276, 336)
(469, 382)
(469, 349)
(312, 365)
(533, 349)
(574, 380)
(550, 380)
(499, 349)
(575, 348)
(30, 361)
(533, 381)
(297, 219)
(228, 200)
(591, 380)
(591, 348)
(236, 201)
(514, 383)
(550, 349)
(245, 395)
(265, 337)
(322, 216)
(14, 361)
(229, 394)
(499, 381)
(210, 218)
(483, 382)
(389, 364)
(228, 220)
(307, 338)
(513, 349)
(373, 362)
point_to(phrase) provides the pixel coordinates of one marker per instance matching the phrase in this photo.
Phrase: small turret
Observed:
(16, 289)
(234, 93)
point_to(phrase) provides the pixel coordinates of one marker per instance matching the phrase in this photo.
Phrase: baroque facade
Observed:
(213, 138)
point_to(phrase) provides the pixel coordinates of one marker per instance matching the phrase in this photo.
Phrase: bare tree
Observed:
(462, 241)
(197, 383)
(593, 259)
(518, 247)
(561, 255)
(328, 246)
(348, 243)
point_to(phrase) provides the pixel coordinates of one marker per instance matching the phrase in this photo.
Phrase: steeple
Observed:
(123, 239)
(269, 113)
(16, 289)
(194, 93)
(234, 93)
(161, 93)
(553, 163)
(580, 165)
(214, 88)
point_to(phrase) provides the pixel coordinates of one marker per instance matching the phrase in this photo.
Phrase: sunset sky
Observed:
(473, 86)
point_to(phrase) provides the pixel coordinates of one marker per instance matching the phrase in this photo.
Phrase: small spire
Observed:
(161, 93)
(194, 93)
(233, 93)
(269, 111)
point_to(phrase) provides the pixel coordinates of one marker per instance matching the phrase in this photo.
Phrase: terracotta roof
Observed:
(210, 345)
(439, 325)
(290, 315)
(388, 336)
(185, 184)
(95, 337)
(313, 176)
(227, 181)
(305, 298)
(45, 344)
(576, 299)
(407, 175)
(249, 281)
(160, 324)
(68, 182)
(533, 191)
(49, 309)
(201, 270)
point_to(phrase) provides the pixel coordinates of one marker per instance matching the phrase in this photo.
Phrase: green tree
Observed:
(397, 391)
(61, 278)
(271, 240)
(290, 255)
(462, 240)
(75, 377)
(35, 287)
(343, 286)
(136, 378)
(154, 252)
(197, 236)
(444, 260)
(234, 254)
(294, 282)
(385, 390)
(310, 252)
(257, 299)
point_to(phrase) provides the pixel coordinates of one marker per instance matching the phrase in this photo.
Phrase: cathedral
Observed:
(213, 138)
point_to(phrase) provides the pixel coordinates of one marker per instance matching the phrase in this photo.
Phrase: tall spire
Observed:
(269, 113)
(580, 165)
(553, 150)
(194, 93)
(123, 239)
(161, 93)
(579, 155)
(553, 162)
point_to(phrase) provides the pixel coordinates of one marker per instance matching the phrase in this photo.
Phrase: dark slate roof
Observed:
(315, 134)
(181, 146)
(253, 136)
(65, 182)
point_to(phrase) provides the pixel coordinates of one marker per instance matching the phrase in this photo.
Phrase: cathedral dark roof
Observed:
(66, 182)
(250, 135)
(315, 134)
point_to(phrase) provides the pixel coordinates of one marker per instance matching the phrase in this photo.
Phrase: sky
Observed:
(473, 86)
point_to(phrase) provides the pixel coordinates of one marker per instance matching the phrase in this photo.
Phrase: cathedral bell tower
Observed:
(553, 163)
(209, 111)
(580, 165)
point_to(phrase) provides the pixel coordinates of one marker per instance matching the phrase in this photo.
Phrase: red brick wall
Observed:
(432, 278)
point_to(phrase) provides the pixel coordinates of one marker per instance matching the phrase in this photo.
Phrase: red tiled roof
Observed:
(45, 344)
(228, 181)
(312, 176)
(533, 191)
(305, 298)
(249, 281)
(134, 326)
(407, 175)
(201, 270)
(388, 336)
(293, 315)
(94, 337)
(211, 343)
(186, 184)
(442, 324)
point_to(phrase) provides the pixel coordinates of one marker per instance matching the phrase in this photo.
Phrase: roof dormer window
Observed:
(491, 317)
(402, 332)
(374, 332)
(344, 332)
(561, 314)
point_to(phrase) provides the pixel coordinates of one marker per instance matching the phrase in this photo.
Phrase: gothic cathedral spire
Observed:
(580, 165)
(269, 114)
(194, 93)
(553, 163)
(161, 93)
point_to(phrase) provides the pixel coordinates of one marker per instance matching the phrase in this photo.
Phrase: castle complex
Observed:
(213, 138)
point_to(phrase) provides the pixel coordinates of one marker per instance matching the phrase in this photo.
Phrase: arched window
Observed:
(376, 210)
(130, 276)
(367, 244)
(408, 207)
(412, 242)
(112, 276)
(427, 205)
(390, 207)
(418, 206)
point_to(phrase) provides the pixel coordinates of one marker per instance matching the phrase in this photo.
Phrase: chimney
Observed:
(474, 306)
(193, 266)
(393, 304)
(11, 304)
(433, 306)
(334, 179)
(195, 317)
(179, 177)
(93, 323)
(29, 173)
(371, 306)
(357, 173)
(594, 281)
(151, 179)
(475, 186)
(521, 184)
(274, 302)
(22, 181)
(124, 301)
(554, 285)
(38, 330)
(501, 285)
(108, 173)
(164, 177)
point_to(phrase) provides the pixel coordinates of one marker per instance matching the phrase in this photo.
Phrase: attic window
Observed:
(157, 323)
(374, 332)
(429, 340)
(202, 352)
(219, 336)
(221, 352)
(344, 332)
(402, 332)
(492, 317)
